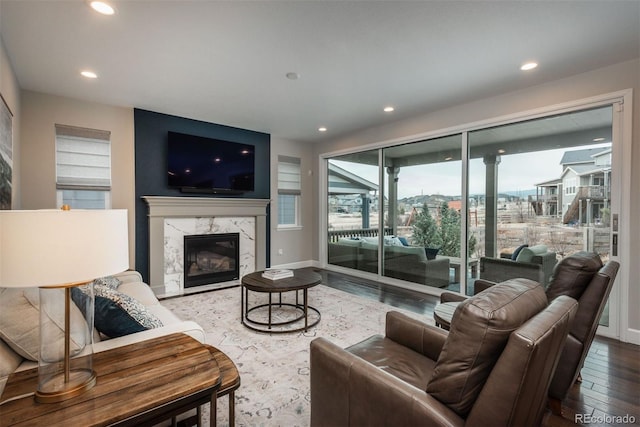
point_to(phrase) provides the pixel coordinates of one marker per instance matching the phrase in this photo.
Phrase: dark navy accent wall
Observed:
(151, 167)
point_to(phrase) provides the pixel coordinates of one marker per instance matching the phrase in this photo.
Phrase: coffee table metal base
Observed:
(261, 326)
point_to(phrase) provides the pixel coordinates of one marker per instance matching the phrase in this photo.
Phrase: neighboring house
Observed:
(548, 198)
(583, 191)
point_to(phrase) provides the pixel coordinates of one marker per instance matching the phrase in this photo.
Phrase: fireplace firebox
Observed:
(211, 258)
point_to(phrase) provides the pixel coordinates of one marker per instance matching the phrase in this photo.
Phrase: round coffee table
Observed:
(443, 313)
(302, 280)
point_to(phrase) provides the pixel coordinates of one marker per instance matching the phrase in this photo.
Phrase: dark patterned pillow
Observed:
(117, 314)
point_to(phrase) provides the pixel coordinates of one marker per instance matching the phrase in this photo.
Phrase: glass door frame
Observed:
(620, 202)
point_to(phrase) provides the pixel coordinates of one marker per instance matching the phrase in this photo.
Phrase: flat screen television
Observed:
(199, 164)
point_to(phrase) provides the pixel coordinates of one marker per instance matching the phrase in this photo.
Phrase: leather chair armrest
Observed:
(481, 285)
(451, 297)
(420, 337)
(347, 390)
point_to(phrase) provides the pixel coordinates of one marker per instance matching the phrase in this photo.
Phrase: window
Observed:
(83, 167)
(289, 191)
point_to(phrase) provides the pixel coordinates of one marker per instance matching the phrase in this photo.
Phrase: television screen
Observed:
(198, 163)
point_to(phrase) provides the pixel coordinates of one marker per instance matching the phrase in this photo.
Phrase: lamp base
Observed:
(56, 389)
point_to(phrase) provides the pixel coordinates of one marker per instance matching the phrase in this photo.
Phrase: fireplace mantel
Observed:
(163, 209)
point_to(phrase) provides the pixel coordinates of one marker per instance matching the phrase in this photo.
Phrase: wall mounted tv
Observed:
(197, 164)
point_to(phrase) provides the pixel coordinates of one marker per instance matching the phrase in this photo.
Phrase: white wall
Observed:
(40, 114)
(296, 244)
(610, 79)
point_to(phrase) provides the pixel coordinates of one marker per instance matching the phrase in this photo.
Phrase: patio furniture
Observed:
(535, 263)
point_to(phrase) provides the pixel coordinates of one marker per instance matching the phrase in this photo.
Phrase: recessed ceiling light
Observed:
(598, 139)
(322, 129)
(292, 75)
(102, 7)
(89, 74)
(388, 109)
(448, 158)
(502, 151)
(529, 66)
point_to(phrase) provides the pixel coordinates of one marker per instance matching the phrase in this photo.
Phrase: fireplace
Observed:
(211, 258)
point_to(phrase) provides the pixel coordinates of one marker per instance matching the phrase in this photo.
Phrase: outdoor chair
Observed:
(534, 262)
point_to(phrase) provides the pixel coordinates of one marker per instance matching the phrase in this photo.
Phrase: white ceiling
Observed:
(225, 61)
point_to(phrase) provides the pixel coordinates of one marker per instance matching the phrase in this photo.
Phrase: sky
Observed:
(516, 172)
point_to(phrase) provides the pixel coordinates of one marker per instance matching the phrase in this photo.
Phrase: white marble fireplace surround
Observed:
(171, 218)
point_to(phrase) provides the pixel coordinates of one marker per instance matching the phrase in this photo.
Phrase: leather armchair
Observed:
(582, 277)
(493, 367)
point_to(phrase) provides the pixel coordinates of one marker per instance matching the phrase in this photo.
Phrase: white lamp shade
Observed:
(56, 247)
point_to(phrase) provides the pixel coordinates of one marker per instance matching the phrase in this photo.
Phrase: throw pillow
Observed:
(117, 314)
(431, 252)
(480, 329)
(109, 281)
(515, 253)
(572, 275)
(527, 254)
(20, 323)
(403, 240)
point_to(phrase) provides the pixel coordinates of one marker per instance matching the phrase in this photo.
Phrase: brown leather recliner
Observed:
(582, 277)
(493, 367)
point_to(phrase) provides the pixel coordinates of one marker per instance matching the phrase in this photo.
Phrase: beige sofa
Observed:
(17, 308)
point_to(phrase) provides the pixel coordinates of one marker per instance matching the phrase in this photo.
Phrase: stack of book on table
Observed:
(276, 274)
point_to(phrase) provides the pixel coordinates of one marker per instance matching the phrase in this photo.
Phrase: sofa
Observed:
(533, 262)
(19, 323)
(493, 367)
(401, 261)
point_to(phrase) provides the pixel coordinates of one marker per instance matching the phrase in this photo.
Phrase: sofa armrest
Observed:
(548, 261)
(481, 285)
(188, 327)
(129, 276)
(451, 297)
(420, 337)
(347, 390)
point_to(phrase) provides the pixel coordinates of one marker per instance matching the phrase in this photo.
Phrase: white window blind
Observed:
(83, 158)
(289, 175)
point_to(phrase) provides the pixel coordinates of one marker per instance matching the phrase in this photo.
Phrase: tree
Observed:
(445, 235)
(425, 229)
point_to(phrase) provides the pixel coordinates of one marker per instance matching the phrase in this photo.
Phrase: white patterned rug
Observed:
(274, 368)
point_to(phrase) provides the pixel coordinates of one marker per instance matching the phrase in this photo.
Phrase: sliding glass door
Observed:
(422, 194)
(544, 185)
(440, 213)
(353, 213)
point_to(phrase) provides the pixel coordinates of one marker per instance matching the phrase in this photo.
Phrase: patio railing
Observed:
(335, 235)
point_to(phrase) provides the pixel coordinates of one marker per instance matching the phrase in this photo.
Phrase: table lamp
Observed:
(57, 250)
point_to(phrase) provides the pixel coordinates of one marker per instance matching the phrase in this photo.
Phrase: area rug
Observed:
(274, 368)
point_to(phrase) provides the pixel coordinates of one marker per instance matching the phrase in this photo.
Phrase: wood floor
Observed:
(610, 384)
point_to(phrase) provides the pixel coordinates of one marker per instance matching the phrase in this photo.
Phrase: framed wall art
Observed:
(6, 154)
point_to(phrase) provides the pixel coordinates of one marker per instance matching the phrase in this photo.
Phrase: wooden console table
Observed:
(137, 385)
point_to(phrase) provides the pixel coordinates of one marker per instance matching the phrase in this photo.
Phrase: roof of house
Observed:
(581, 156)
